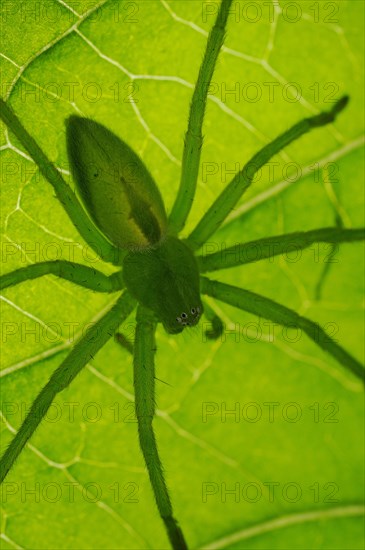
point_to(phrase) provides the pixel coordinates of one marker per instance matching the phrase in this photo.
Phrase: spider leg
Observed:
(144, 387)
(194, 137)
(261, 249)
(326, 268)
(124, 342)
(268, 309)
(67, 198)
(79, 274)
(229, 197)
(84, 350)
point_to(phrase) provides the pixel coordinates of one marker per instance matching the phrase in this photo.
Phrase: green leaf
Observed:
(131, 66)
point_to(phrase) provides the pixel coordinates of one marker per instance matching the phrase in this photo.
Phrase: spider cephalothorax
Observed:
(166, 280)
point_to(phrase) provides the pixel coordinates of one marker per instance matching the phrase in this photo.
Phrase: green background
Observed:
(91, 488)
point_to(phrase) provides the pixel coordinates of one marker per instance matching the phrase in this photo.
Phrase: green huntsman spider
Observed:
(123, 218)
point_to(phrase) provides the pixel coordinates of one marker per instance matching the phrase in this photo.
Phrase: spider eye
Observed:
(178, 319)
(184, 315)
(193, 311)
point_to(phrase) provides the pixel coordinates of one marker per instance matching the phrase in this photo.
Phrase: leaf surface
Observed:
(260, 432)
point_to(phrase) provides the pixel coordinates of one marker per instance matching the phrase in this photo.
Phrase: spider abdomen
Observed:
(117, 190)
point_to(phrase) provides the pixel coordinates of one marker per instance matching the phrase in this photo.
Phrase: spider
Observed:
(159, 275)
